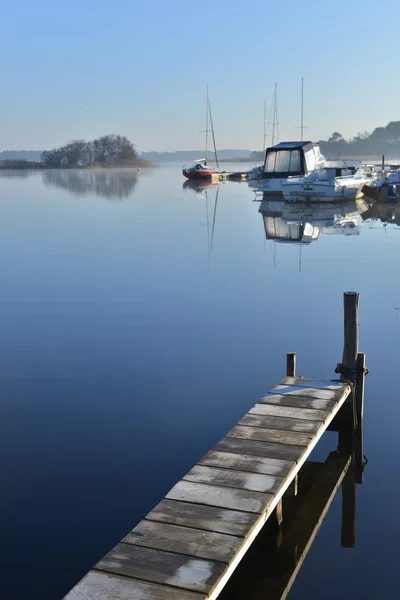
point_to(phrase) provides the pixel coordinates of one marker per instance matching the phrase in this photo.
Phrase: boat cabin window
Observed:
(311, 162)
(283, 161)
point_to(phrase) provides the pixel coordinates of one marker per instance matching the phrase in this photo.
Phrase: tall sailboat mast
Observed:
(265, 125)
(302, 109)
(213, 135)
(275, 117)
(207, 109)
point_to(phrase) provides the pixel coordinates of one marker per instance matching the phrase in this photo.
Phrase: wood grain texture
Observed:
(233, 478)
(213, 495)
(256, 448)
(199, 516)
(177, 570)
(287, 424)
(297, 401)
(289, 411)
(103, 586)
(270, 435)
(245, 462)
(184, 540)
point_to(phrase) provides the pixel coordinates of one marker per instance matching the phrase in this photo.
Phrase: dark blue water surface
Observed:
(137, 328)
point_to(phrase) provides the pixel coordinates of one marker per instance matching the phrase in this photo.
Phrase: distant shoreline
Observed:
(31, 165)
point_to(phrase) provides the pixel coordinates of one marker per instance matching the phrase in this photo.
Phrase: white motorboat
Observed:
(327, 185)
(288, 159)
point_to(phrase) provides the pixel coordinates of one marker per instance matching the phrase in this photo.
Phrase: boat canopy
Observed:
(291, 159)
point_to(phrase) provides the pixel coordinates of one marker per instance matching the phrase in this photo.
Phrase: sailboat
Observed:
(201, 170)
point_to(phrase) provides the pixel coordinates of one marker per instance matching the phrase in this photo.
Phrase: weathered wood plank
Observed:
(224, 497)
(270, 435)
(297, 401)
(184, 540)
(298, 390)
(199, 516)
(284, 423)
(290, 411)
(245, 462)
(181, 571)
(103, 586)
(236, 479)
(256, 448)
(314, 383)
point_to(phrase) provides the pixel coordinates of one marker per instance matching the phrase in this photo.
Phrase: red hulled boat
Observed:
(200, 171)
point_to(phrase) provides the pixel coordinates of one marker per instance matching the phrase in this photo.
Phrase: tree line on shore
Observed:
(382, 140)
(106, 151)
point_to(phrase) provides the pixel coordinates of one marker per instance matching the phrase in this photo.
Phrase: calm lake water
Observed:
(139, 322)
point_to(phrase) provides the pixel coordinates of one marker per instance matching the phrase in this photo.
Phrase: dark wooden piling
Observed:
(360, 382)
(291, 361)
(350, 347)
(359, 454)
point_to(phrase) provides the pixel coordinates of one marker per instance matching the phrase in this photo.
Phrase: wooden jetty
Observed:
(230, 176)
(271, 565)
(190, 544)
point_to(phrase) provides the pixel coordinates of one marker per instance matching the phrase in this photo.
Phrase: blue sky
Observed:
(80, 69)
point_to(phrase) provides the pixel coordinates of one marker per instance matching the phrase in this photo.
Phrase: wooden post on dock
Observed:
(360, 381)
(347, 420)
(350, 348)
(291, 364)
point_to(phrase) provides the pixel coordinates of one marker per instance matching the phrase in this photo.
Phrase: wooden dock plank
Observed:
(156, 566)
(271, 435)
(104, 586)
(298, 390)
(256, 448)
(313, 383)
(190, 543)
(233, 478)
(245, 462)
(184, 540)
(214, 495)
(297, 401)
(199, 516)
(293, 412)
(285, 423)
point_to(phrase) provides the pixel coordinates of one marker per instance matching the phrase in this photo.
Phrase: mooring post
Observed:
(347, 418)
(359, 453)
(360, 381)
(350, 347)
(291, 364)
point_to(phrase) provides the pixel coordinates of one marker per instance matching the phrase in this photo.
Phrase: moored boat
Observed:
(200, 170)
(327, 185)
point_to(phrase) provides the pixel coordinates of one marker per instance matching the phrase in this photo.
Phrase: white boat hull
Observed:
(322, 191)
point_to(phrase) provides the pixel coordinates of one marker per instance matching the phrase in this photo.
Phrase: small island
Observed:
(106, 151)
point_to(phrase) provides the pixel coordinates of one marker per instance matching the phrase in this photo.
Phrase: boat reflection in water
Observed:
(302, 224)
(201, 188)
(199, 185)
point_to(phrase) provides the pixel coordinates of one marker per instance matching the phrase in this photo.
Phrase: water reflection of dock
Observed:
(271, 566)
(192, 542)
